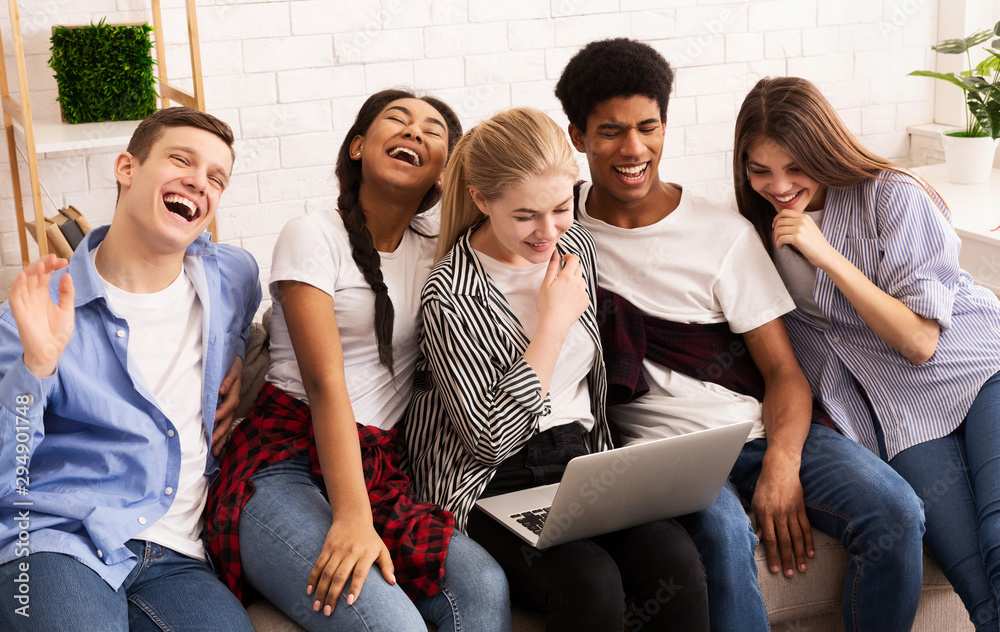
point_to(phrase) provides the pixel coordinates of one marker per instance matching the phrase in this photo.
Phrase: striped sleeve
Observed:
(892, 230)
(475, 400)
(493, 404)
(919, 250)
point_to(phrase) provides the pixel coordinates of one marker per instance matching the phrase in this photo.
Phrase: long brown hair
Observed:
(793, 114)
(512, 147)
(349, 180)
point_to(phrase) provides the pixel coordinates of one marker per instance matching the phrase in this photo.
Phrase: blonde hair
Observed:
(512, 147)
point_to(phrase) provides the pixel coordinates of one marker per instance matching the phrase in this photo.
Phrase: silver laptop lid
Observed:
(609, 491)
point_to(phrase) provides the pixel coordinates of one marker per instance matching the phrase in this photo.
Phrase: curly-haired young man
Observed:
(689, 284)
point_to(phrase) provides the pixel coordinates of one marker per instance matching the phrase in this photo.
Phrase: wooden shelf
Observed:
(48, 136)
(55, 136)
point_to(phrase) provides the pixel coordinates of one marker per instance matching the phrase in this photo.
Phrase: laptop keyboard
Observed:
(532, 520)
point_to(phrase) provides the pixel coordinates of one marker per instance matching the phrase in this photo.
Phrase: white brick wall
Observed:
(288, 53)
(289, 76)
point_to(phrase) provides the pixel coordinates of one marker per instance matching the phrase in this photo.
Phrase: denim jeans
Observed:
(165, 591)
(958, 478)
(849, 494)
(282, 530)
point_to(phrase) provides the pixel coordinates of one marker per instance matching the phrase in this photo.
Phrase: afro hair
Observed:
(612, 68)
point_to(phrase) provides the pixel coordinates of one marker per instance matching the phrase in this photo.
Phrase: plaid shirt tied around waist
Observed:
(280, 427)
(708, 352)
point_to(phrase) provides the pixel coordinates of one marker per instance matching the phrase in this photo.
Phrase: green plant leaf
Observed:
(960, 46)
(978, 38)
(945, 76)
(987, 117)
(989, 65)
(975, 82)
(950, 47)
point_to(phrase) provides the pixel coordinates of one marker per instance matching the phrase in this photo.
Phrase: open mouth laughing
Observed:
(180, 205)
(633, 173)
(405, 155)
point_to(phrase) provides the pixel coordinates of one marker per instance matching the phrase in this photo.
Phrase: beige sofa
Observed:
(808, 602)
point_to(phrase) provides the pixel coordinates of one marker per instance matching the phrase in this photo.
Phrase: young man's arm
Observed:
(229, 401)
(28, 356)
(778, 500)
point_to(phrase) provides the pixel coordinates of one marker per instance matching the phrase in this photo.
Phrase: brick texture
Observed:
(289, 76)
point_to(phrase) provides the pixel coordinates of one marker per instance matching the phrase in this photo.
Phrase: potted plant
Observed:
(104, 72)
(969, 152)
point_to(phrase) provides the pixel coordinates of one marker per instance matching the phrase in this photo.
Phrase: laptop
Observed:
(617, 489)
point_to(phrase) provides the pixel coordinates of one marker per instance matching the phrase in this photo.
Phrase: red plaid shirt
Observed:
(280, 427)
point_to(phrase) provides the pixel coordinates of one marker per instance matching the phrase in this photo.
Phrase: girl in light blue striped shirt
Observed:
(898, 343)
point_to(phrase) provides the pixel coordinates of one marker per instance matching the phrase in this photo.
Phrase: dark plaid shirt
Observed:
(280, 427)
(708, 352)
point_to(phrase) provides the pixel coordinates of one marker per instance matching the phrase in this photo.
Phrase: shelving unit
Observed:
(55, 136)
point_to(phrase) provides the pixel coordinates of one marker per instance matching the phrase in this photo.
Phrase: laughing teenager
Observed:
(694, 339)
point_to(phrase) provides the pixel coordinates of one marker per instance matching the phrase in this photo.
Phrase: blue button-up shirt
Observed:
(85, 454)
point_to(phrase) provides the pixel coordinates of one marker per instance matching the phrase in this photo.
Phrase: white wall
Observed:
(289, 75)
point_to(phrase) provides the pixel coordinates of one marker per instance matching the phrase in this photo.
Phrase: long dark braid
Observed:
(362, 246)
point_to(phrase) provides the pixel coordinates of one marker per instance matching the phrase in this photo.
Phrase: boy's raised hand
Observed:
(44, 326)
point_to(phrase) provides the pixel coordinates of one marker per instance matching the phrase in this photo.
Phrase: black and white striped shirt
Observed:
(475, 399)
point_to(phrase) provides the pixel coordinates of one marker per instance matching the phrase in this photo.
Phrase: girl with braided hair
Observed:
(311, 493)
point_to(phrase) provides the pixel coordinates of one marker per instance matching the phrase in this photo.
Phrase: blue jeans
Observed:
(851, 495)
(165, 591)
(282, 530)
(958, 478)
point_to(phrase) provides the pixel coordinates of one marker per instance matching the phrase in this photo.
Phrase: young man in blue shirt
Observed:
(693, 339)
(114, 404)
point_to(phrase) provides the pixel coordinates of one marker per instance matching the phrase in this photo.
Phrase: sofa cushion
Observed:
(255, 364)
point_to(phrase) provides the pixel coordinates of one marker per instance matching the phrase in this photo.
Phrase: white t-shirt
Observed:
(703, 263)
(165, 351)
(800, 276)
(315, 249)
(569, 393)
